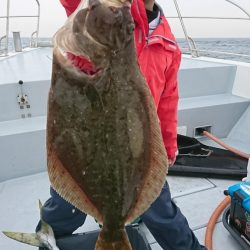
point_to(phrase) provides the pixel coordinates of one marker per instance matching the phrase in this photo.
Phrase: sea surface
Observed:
(228, 45)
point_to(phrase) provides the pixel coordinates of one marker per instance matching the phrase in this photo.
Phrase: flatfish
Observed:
(105, 150)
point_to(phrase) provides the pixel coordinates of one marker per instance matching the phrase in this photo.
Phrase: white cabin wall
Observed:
(241, 85)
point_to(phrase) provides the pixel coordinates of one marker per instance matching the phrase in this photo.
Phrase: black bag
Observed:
(198, 159)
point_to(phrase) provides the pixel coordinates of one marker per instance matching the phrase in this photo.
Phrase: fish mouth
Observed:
(80, 64)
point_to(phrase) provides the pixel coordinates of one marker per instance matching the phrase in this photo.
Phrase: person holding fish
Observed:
(159, 58)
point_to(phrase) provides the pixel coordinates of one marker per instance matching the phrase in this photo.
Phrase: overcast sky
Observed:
(53, 16)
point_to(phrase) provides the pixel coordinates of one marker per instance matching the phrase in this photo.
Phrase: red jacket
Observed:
(159, 59)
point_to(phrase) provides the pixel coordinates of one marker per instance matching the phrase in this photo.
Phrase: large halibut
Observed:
(105, 150)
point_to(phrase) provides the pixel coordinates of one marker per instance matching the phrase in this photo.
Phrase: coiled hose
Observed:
(218, 211)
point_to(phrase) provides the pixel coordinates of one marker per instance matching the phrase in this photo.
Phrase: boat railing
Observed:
(5, 38)
(192, 47)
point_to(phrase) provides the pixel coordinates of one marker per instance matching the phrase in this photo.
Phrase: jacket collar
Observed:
(163, 31)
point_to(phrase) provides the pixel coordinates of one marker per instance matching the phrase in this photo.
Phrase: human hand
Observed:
(171, 161)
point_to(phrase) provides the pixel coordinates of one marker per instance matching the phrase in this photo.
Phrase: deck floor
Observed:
(197, 198)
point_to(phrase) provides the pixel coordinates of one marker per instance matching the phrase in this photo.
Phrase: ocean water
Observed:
(231, 45)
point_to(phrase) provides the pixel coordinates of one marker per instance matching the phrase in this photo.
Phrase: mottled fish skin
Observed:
(105, 149)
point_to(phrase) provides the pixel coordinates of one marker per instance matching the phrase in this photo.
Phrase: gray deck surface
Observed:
(197, 198)
(202, 97)
(20, 68)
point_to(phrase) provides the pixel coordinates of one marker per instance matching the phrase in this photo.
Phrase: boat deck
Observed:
(213, 93)
(197, 198)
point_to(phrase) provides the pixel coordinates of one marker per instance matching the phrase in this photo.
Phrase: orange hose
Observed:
(234, 150)
(226, 201)
(212, 221)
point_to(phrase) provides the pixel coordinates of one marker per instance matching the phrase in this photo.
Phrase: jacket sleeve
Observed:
(70, 5)
(168, 107)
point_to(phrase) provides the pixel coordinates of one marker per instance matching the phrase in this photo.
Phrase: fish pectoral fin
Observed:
(27, 238)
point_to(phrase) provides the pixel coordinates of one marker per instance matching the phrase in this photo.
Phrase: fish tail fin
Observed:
(121, 242)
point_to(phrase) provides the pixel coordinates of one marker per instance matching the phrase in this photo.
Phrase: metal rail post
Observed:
(191, 44)
(237, 5)
(7, 29)
(6, 36)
